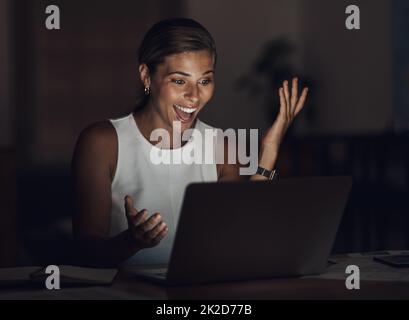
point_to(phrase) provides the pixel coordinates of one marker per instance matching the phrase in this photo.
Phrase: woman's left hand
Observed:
(289, 108)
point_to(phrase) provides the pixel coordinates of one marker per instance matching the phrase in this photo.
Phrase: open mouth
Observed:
(184, 114)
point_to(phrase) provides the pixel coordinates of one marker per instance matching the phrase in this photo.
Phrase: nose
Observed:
(192, 94)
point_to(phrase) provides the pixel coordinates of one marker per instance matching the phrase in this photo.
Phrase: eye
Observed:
(205, 82)
(178, 81)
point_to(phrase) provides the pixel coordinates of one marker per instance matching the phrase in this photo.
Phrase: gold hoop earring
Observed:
(147, 90)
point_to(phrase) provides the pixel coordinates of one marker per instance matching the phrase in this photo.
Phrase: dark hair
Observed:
(172, 36)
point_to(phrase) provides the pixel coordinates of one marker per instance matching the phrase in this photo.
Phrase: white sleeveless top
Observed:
(155, 187)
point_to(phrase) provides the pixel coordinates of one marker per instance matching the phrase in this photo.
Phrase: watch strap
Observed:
(267, 173)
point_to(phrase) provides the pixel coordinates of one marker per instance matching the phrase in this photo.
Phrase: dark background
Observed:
(55, 82)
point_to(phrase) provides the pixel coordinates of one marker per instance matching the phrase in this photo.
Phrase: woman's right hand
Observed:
(148, 232)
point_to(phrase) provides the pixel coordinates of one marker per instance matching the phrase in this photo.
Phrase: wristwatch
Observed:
(271, 175)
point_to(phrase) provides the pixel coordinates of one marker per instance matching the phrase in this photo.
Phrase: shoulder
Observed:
(97, 146)
(98, 135)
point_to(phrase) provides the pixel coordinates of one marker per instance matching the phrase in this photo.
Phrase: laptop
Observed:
(232, 231)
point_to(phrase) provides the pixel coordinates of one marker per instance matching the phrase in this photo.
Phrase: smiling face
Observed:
(180, 87)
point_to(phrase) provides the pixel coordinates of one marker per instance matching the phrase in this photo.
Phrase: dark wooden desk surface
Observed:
(291, 288)
(128, 286)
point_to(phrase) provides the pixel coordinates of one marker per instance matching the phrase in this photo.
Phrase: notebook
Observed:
(69, 275)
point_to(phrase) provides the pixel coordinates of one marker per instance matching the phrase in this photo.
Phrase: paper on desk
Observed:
(18, 275)
(370, 270)
(69, 275)
(77, 275)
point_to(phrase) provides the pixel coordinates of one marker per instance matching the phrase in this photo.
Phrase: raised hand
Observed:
(290, 106)
(148, 232)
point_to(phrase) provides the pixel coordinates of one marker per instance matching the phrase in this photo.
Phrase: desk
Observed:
(267, 289)
(127, 286)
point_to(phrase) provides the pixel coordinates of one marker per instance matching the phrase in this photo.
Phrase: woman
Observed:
(117, 186)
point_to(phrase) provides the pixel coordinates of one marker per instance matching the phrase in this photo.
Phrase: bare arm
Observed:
(290, 106)
(92, 164)
(93, 168)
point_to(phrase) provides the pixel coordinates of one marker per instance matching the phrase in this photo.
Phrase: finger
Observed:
(301, 102)
(286, 92)
(129, 205)
(287, 99)
(150, 223)
(152, 234)
(140, 218)
(283, 104)
(134, 221)
(159, 237)
(294, 94)
(282, 101)
(132, 215)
